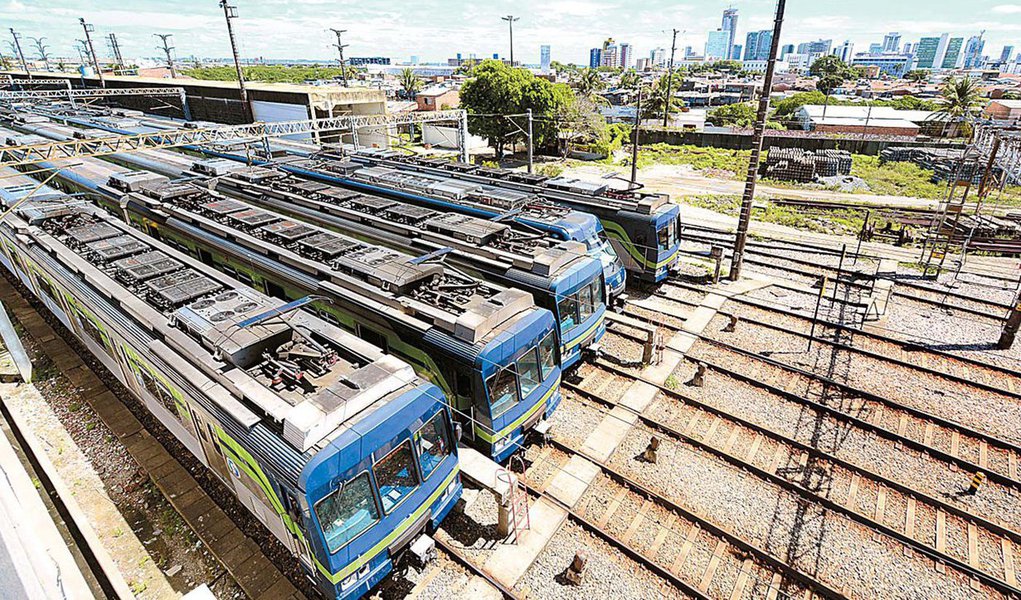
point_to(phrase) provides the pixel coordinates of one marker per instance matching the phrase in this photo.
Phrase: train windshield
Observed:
(395, 476)
(668, 236)
(529, 372)
(503, 391)
(347, 512)
(567, 309)
(548, 355)
(433, 442)
(579, 306)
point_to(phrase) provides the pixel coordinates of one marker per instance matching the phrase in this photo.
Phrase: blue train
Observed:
(339, 449)
(521, 210)
(490, 349)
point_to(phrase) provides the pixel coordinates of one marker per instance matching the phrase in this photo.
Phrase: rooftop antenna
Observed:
(166, 49)
(340, 48)
(92, 50)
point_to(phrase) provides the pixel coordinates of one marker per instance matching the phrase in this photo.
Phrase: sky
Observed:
(434, 30)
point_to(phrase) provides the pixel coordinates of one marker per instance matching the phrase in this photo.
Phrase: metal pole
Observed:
(815, 316)
(745, 219)
(92, 50)
(669, 81)
(166, 49)
(840, 271)
(529, 112)
(510, 24)
(634, 139)
(230, 13)
(115, 47)
(184, 105)
(861, 236)
(41, 49)
(340, 48)
(21, 55)
(464, 137)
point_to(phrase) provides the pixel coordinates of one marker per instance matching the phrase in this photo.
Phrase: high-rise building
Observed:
(610, 54)
(627, 57)
(729, 25)
(973, 52)
(891, 42)
(717, 45)
(414, 59)
(952, 56)
(735, 51)
(658, 57)
(643, 64)
(688, 51)
(926, 52)
(845, 51)
(757, 45)
(1006, 53)
(875, 48)
(595, 58)
(785, 50)
(544, 58)
(907, 48)
(818, 46)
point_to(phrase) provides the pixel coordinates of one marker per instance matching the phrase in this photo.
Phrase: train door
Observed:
(215, 459)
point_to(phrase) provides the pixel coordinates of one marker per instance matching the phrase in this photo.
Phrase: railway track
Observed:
(834, 484)
(701, 558)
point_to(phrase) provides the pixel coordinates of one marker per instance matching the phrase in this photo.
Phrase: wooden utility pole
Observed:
(166, 50)
(669, 82)
(744, 221)
(230, 13)
(340, 48)
(92, 50)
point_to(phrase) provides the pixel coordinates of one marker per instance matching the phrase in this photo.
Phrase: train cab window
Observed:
(529, 373)
(395, 476)
(503, 391)
(548, 355)
(346, 513)
(433, 441)
(586, 305)
(567, 307)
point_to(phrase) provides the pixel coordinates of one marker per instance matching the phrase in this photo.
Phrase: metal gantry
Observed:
(71, 149)
(71, 95)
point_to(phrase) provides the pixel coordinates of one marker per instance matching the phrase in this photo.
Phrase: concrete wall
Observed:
(743, 141)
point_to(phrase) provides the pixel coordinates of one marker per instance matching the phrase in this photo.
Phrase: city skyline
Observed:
(299, 28)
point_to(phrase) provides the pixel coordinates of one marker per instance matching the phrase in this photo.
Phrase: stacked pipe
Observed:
(795, 164)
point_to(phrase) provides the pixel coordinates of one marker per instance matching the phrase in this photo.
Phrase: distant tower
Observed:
(730, 26)
(544, 58)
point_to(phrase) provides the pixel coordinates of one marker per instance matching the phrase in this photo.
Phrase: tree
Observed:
(410, 83)
(656, 102)
(732, 115)
(499, 94)
(588, 82)
(784, 110)
(917, 75)
(832, 66)
(958, 99)
(629, 80)
(581, 121)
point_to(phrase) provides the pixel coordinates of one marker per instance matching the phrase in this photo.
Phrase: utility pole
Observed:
(340, 48)
(744, 221)
(21, 55)
(230, 13)
(166, 49)
(510, 24)
(92, 50)
(529, 113)
(115, 48)
(40, 47)
(669, 82)
(634, 139)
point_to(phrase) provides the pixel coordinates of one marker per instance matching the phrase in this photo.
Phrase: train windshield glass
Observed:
(347, 512)
(433, 444)
(395, 476)
(548, 355)
(568, 310)
(503, 391)
(529, 372)
(668, 236)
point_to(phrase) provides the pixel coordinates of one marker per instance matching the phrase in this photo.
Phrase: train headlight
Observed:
(501, 443)
(353, 578)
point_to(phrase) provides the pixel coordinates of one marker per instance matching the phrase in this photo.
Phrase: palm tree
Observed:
(958, 97)
(629, 80)
(656, 101)
(588, 82)
(410, 82)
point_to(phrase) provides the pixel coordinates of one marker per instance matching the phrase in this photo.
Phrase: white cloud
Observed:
(1007, 9)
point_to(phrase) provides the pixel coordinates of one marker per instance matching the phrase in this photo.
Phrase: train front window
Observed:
(395, 476)
(347, 512)
(664, 237)
(528, 371)
(568, 310)
(585, 304)
(433, 443)
(598, 292)
(503, 391)
(548, 355)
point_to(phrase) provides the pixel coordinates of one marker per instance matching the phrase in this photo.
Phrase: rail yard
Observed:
(290, 369)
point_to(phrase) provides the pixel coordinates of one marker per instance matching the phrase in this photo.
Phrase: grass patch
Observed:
(735, 162)
(896, 178)
(839, 222)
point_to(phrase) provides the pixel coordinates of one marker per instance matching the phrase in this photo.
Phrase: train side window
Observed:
(395, 476)
(347, 512)
(503, 391)
(663, 236)
(274, 290)
(585, 303)
(548, 355)
(433, 441)
(93, 332)
(373, 337)
(47, 289)
(568, 309)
